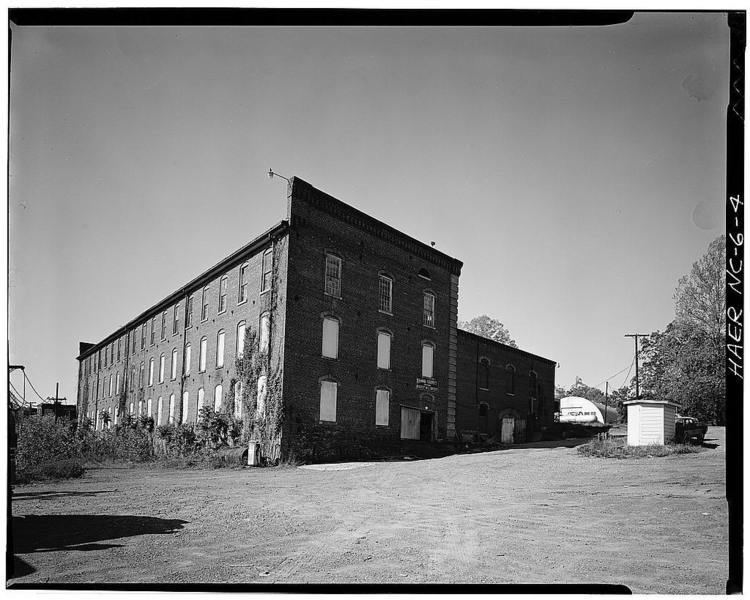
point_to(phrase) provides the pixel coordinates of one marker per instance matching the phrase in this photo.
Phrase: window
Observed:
(185, 399)
(382, 407)
(171, 408)
(328, 391)
(140, 375)
(186, 366)
(204, 304)
(220, 349)
(162, 360)
(330, 337)
(148, 407)
(218, 397)
(238, 400)
(427, 354)
(267, 269)
(133, 343)
(132, 380)
(143, 336)
(223, 294)
(200, 404)
(240, 339)
(384, 350)
(333, 276)
(151, 372)
(484, 374)
(163, 325)
(140, 408)
(265, 332)
(106, 349)
(242, 294)
(428, 315)
(117, 384)
(510, 379)
(189, 312)
(117, 415)
(532, 384)
(483, 408)
(131, 409)
(260, 404)
(110, 384)
(153, 330)
(176, 319)
(385, 294)
(118, 354)
(173, 366)
(424, 273)
(159, 406)
(202, 354)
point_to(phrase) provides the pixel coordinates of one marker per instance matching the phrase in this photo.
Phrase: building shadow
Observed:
(43, 533)
(55, 494)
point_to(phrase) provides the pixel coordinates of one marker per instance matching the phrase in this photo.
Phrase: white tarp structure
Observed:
(574, 409)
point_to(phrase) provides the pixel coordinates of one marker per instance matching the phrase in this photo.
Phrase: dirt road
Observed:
(525, 515)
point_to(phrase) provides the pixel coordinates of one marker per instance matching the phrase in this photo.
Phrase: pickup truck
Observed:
(688, 430)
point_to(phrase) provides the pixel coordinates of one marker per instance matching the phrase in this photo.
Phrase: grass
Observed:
(617, 448)
(54, 469)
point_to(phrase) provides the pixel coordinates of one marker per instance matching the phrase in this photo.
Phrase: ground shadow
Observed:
(40, 533)
(17, 567)
(54, 494)
(709, 446)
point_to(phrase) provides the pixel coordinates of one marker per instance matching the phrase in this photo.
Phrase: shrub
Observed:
(617, 448)
(180, 440)
(67, 468)
(41, 440)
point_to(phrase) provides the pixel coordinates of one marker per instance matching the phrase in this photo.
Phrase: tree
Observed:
(488, 328)
(685, 362)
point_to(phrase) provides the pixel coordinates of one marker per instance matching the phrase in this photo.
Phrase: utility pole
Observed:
(635, 337)
(606, 393)
(57, 389)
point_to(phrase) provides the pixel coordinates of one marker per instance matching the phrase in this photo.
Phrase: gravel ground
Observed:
(522, 515)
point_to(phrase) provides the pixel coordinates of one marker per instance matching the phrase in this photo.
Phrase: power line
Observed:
(628, 375)
(615, 375)
(32, 386)
(19, 397)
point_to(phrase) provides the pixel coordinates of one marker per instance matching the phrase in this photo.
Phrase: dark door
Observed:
(425, 427)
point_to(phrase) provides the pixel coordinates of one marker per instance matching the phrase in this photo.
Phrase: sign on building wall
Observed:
(427, 384)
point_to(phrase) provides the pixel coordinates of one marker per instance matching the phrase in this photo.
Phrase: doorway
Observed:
(425, 427)
(507, 426)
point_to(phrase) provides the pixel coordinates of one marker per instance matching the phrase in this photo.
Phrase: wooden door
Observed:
(507, 427)
(410, 420)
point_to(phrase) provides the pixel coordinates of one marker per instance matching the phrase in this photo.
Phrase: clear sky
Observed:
(577, 172)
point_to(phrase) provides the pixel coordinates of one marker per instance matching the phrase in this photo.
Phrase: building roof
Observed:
(502, 346)
(226, 263)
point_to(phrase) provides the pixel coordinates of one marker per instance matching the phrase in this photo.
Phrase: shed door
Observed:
(410, 419)
(506, 430)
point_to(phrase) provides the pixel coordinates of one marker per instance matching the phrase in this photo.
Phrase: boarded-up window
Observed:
(382, 407)
(140, 408)
(260, 402)
(117, 386)
(188, 356)
(159, 408)
(330, 338)
(220, 349)
(384, 350)
(410, 418)
(265, 332)
(185, 400)
(151, 371)
(240, 339)
(173, 373)
(171, 408)
(328, 391)
(202, 354)
(218, 397)
(200, 403)
(238, 400)
(161, 368)
(427, 355)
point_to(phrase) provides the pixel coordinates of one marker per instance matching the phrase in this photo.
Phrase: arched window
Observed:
(218, 397)
(149, 407)
(428, 312)
(161, 368)
(186, 365)
(483, 408)
(240, 339)
(140, 375)
(173, 367)
(237, 399)
(151, 371)
(328, 393)
(484, 374)
(382, 406)
(200, 404)
(140, 408)
(384, 350)
(159, 408)
(220, 349)
(330, 337)
(185, 400)
(171, 408)
(428, 351)
(510, 379)
(202, 354)
(265, 332)
(260, 401)
(117, 385)
(223, 282)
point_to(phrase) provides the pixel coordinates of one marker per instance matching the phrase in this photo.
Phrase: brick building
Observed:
(354, 334)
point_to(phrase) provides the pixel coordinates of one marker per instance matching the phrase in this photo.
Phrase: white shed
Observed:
(650, 421)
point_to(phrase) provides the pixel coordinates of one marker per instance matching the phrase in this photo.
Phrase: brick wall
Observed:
(498, 397)
(320, 224)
